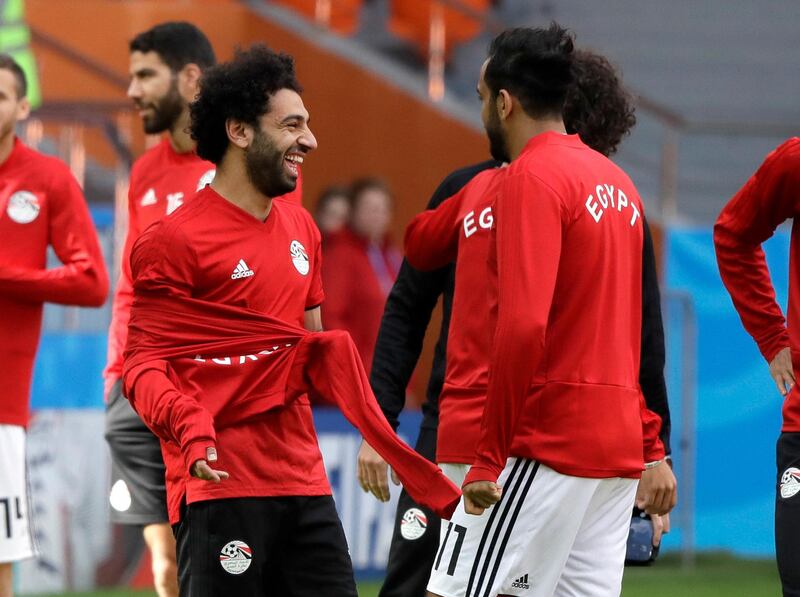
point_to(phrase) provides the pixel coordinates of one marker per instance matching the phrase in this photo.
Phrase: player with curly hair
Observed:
(249, 499)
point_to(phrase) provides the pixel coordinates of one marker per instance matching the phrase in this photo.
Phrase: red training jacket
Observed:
(41, 204)
(565, 271)
(459, 230)
(770, 197)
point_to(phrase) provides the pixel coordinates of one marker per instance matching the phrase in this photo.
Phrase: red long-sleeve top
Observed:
(770, 197)
(161, 181)
(565, 272)
(41, 204)
(459, 230)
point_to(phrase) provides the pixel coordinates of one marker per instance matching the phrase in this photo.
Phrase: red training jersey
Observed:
(41, 204)
(770, 197)
(161, 181)
(459, 230)
(565, 279)
(214, 251)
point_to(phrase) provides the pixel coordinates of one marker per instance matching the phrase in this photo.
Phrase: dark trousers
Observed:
(787, 513)
(410, 560)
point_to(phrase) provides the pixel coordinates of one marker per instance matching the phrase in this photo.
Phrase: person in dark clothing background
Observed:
(600, 110)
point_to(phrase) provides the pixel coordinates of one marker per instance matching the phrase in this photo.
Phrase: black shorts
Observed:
(263, 547)
(138, 491)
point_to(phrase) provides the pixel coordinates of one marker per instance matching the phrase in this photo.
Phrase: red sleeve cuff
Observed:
(196, 450)
(481, 472)
(654, 451)
(770, 349)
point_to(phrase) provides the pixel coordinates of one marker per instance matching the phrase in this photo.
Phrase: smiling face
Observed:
(154, 91)
(279, 145)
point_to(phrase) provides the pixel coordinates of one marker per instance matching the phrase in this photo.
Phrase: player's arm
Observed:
(770, 197)
(82, 279)
(431, 239)
(526, 248)
(653, 353)
(171, 414)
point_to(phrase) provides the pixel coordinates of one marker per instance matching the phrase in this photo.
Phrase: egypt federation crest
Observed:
(23, 207)
(790, 482)
(299, 257)
(414, 524)
(235, 557)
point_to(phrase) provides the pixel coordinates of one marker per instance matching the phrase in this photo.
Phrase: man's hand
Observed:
(782, 371)
(658, 490)
(660, 527)
(202, 470)
(373, 473)
(480, 495)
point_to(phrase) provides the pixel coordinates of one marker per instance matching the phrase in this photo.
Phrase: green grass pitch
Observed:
(714, 575)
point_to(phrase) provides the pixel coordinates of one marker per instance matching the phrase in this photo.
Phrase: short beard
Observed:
(166, 111)
(264, 165)
(498, 147)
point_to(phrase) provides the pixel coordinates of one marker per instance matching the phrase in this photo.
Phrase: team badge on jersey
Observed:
(235, 557)
(206, 179)
(299, 257)
(790, 483)
(414, 524)
(23, 207)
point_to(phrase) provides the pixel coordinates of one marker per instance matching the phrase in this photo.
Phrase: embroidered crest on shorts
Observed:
(790, 482)
(120, 496)
(23, 207)
(414, 524)
(235, 557)
(299, 257)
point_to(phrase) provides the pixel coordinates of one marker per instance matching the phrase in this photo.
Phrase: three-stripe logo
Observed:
(521, 582)
(242, 271)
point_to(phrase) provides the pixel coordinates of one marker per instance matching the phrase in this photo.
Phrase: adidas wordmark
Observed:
(242, 271)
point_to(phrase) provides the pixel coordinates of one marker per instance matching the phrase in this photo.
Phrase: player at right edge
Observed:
(547, 501)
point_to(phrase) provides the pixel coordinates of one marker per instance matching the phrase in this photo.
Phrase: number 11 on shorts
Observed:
(460, 532)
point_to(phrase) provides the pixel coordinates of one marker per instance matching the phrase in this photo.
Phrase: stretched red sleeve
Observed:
(158, 263)
(173, 416)
(82, 279)
(431, 239)
(770, 197)
(526, 248)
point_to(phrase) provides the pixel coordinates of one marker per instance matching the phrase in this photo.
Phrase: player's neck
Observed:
(233, 184)
(179, 136)
(528, 129)
(6, 146)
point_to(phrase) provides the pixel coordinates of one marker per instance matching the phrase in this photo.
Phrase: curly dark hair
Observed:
(238, 90)
(534, 65)
(598, 107)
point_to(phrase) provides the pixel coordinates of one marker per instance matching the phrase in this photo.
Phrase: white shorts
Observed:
(549, 535)
(15, 534)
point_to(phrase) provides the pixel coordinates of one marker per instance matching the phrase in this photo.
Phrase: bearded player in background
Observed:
(41, 204)
(166, 63)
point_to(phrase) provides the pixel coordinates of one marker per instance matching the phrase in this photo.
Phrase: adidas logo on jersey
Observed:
(242, 271)
(521, 583)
